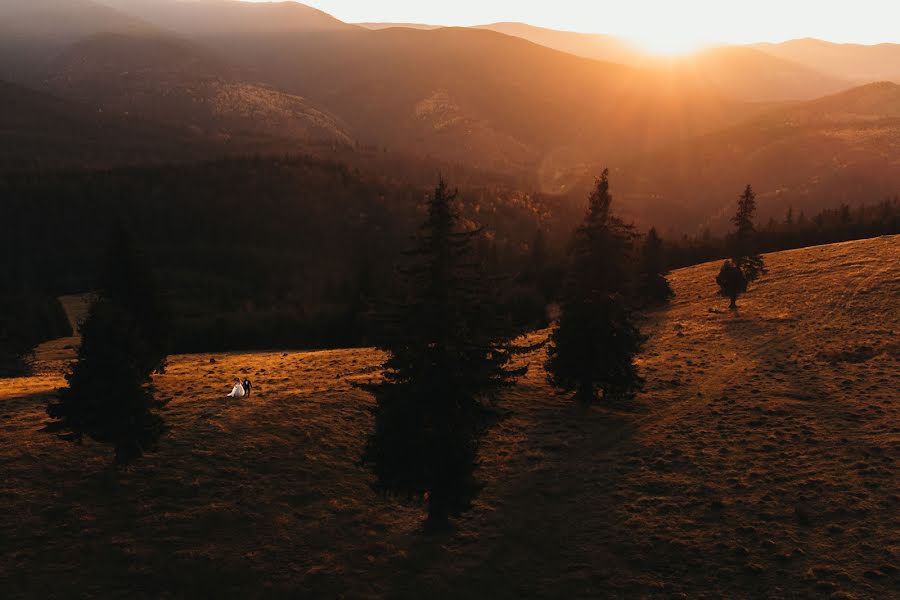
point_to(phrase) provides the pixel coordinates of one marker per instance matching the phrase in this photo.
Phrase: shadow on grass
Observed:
(544, 527)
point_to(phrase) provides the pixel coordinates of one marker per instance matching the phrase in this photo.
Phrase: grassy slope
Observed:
(751, 421)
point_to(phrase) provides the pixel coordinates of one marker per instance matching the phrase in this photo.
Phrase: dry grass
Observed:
(760, 462)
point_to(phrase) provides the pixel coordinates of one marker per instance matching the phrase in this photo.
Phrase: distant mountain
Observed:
(63, 21)
(740, 72)
(32, 32)
(589, 45)
(842, 148)
(755, 76)
(377, 26)
(174, 81)
(118, 63)
(38, 130)
(217, 17)
(853, 62)
(481, 97)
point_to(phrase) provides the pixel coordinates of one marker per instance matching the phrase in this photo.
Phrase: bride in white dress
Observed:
(237, 391)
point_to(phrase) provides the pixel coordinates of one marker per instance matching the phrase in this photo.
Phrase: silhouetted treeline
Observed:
(27, 318)
(795, 231)
(257, 252)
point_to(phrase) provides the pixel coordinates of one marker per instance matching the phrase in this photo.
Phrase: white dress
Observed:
(237, 391)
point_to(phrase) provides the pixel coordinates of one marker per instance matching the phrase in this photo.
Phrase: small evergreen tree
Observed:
(732, 282)
(448, 355)
(592, 348)
(789, 218)
(653, 287)
(744, 252)
(746, 264)
(109, 397)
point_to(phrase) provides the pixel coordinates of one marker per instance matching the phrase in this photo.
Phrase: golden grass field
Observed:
(760, 462)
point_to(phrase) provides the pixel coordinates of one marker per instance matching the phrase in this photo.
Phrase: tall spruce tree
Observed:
(128, 281)
(746, 265)
(448, 355)
(592, 348)
(653, 287)
(109, 397)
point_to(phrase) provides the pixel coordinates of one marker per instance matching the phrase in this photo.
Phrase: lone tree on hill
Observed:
(745, 265)
(653, 287)
(732, 282)
(593, 346)
(109, 397)
(448, 355)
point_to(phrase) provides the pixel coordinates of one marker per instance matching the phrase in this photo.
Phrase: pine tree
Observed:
(745, 254)
(789, 218)
(593, 346)
(653, 287)
(128, 281)
(732, 282)
(746, 264)
(109, 397)
(448, 356)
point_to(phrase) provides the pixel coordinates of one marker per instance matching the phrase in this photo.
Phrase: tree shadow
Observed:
(544, 525)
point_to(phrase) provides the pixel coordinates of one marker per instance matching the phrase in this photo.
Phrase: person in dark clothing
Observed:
(246, 383)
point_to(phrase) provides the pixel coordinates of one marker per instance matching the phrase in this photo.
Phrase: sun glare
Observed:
(668, 44)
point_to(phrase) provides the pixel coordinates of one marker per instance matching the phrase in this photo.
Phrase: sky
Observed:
(661, 25)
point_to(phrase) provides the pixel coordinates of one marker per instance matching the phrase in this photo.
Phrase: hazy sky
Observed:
(661, 24)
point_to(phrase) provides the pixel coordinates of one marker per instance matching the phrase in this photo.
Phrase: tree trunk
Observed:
(733, 304)
(585, 392)
(121, 456)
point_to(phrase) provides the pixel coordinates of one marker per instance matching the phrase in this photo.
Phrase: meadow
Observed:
(758, 462)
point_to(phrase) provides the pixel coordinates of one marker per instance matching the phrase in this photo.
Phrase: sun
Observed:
(669, 43)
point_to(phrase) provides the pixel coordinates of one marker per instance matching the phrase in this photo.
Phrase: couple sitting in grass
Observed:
(240, 389)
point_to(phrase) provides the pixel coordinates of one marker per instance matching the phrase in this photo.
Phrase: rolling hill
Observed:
(33, 32)
(851, 62)
(39, 130)
(224, 17)
(286, 75)
(755, 76)
(377, 26)
(478, 96)
(843, 148)
(740, 72)
(760, 461)
(117, 62)
(606, 48)
(176, 82)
